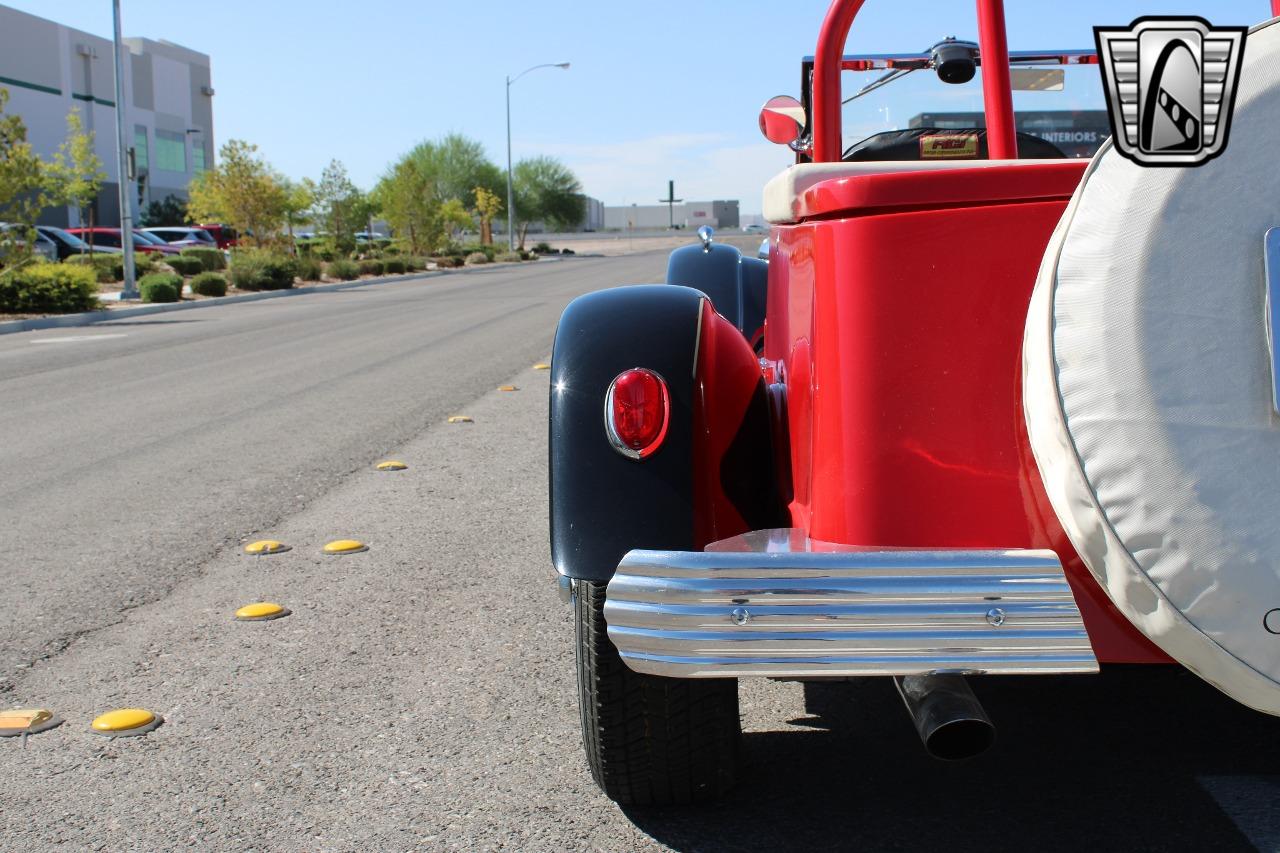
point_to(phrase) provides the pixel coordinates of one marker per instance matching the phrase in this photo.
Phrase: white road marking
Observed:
(74, 339)
(1250, 802)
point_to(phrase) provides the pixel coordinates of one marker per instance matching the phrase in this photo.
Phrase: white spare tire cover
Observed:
(1148, 393)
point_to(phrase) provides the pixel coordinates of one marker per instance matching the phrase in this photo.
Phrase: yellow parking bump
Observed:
(126, 722)
(262, 611)
(26, 721)
(265, 546)
(542, 365)
(345, 546)
(461, 419)
(508, 388)
(391, 465)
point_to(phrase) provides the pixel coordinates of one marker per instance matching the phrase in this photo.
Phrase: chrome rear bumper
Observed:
(774, 603)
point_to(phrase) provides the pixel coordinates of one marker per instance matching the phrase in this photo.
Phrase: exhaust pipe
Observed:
(947, 716)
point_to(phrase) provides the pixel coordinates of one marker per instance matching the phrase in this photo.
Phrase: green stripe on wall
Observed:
(36, 86)
(104, 103)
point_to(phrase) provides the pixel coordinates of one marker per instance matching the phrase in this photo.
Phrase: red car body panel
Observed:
(895, 317)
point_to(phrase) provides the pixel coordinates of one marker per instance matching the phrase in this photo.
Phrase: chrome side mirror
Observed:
(782, 119)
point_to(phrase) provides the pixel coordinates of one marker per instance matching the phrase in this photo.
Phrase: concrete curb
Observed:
(88, 318)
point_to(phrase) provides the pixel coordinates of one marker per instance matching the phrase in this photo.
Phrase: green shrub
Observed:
(371, 266)
(310, 269)
(160, 287)
(185, 266)
(394, 266)
(144, 263)
(391, 250)
(48, 288)
(107, 268)
(260, 269)
(477, 258)
(446, 262)
(490, 251)
(509, 257)
(209, 284)
(342, 270)
(413, 263)
(325, 253)
(543, 248)
(211, 259)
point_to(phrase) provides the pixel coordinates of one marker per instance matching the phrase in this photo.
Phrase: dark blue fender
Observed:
(602, 503)
(736, 285)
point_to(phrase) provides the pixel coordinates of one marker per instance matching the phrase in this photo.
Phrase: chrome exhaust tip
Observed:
(949, 719)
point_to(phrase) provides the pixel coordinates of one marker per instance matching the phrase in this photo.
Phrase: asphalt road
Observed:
(420, 696)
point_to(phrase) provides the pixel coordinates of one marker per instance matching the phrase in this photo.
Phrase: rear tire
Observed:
(650, 741)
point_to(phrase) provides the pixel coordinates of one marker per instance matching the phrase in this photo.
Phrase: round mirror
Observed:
(782, 119)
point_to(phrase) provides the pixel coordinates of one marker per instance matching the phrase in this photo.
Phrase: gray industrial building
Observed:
(49, 69)
(687, 214)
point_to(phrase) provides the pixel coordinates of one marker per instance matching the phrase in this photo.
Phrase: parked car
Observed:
(110, 237)
(363, 237)
(153, 240)
(68, 244)
(44, 247)
(753, 228)
(866, 457)
(183, 237)
(224, 235)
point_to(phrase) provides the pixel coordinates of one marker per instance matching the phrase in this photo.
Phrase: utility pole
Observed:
(671, 201)
(122, 162)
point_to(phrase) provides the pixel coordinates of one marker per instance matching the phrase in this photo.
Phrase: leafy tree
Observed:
(171, 211)
(340, 207)
(487, 206)
(546, 191)
(299, 198)
(406, 197)
(242, 190)
(74, 176)
(21, 184)
(458, 165)
(454, 217)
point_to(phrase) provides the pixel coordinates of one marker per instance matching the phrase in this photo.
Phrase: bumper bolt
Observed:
(995, 616)
(740, 616)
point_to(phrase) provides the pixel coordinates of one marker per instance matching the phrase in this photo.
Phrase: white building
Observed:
(687, 214)
(49, 69)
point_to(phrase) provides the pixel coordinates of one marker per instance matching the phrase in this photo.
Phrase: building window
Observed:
(140, 160)
(197, 157)
(171, 151)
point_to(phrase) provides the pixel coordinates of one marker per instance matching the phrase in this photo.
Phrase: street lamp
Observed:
(130, 290)
(511, 199)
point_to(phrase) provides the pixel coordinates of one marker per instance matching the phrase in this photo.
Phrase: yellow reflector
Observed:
(345, 546)
(542, 365)
(461, 419)
(391, 465)
(261, 612)
(126, 721)
(508, 388)
(19, 721)
(265, 546)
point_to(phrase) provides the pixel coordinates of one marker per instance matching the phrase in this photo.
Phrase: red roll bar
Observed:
(997, 92)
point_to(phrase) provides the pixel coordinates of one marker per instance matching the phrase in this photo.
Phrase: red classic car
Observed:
(981, 408)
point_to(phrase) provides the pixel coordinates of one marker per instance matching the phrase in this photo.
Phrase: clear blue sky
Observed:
(661, 89)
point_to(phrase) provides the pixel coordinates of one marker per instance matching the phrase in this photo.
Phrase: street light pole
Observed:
(511, 198)
(122, 161)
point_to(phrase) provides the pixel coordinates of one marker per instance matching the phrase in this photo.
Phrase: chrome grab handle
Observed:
(1271, 309)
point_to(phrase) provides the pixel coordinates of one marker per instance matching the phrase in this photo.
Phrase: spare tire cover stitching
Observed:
(1147, 392)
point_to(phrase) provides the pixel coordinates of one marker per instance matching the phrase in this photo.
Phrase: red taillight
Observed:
(636, 411)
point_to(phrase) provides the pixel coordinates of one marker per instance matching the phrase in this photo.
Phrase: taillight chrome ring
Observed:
(617, 441)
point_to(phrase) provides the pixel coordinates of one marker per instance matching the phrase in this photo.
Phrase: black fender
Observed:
(603, 504)
(736, 285)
